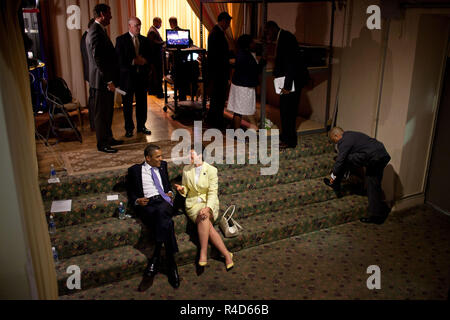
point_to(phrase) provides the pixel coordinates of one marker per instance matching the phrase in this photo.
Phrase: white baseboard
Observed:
(409, 202)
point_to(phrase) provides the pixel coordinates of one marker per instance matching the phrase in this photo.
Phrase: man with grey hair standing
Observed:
(133, 51)
(356, 149)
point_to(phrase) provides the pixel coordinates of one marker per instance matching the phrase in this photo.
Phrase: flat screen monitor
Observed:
(177, 38)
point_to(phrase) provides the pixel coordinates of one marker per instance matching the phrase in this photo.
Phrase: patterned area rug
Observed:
(91, 161)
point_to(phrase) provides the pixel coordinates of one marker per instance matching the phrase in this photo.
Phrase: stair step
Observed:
(114, 180)
(87, 208)
(273, 199)
(95, 236)
(101, 267)
(273, 226)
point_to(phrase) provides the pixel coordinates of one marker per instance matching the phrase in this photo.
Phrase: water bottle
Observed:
(52, 172)
(51, 226)
(121, 211)
(55, 255)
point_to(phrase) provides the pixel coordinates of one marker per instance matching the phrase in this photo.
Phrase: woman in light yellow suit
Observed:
(200, 187)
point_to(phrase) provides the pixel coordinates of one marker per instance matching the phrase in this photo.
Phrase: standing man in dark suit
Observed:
(150, 192)
(133, 51)
(156, 44)
(218, 70)
(103, 77)
(85, 58)
(355, 149)
(289, 64)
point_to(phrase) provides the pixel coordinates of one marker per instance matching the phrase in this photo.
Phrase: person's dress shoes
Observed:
(115, 142)
(376, 220)
(107, 149)
(174, 278)
(153, 267)
(145, 131)
(129, 134)
(145, 283)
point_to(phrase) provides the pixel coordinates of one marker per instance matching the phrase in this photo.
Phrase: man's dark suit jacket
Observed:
(289, 62)
(103, 63)
(134, 181)
(126, 53)
(359, 150)
(84, 56)
(218, 55)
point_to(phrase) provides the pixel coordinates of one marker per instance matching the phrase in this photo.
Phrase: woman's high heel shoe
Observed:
(231, 265)
(202, 263)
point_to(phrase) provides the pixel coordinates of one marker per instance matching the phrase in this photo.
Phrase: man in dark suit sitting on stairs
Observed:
(150, 192)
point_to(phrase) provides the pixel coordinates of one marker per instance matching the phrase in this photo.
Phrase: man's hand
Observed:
(331, 180)
(111, 87)
(139, 61)
(284, 91)
(142, 201)
(170, 194)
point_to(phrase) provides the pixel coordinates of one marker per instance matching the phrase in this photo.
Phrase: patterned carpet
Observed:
(412, 249)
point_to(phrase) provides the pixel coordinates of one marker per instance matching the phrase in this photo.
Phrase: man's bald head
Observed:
(335, 134)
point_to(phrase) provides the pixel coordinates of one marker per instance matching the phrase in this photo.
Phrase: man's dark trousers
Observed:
(374, 175)
(157, 216)
(138, 88)
(103, 114)
(288, 113)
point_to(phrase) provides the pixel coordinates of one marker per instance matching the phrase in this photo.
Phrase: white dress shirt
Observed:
(197, 176)
(147, 181)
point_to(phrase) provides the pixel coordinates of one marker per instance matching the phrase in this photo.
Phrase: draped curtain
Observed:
(146, 10)
(15, 93)
(63, 45)
(211, 12)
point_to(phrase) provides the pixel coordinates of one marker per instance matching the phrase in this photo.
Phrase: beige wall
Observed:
(389, 94)
(409, 91)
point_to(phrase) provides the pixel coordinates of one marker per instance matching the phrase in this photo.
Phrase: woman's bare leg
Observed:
(217, 241)
(203, 235)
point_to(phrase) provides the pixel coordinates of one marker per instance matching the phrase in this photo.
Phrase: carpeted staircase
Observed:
(270, 208)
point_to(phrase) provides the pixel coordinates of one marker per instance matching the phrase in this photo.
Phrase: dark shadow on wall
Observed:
(392, 185)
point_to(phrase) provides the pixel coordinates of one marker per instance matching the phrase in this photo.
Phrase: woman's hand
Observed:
(179, 188)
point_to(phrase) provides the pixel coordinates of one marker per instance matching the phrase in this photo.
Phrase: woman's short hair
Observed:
(244, 41)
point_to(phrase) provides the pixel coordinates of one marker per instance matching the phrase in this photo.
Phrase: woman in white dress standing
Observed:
(242, 98)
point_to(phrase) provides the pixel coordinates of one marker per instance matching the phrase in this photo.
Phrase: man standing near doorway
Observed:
(103, 77)
(156, 45)
(218, 67)
(289, 64)
(133, 51)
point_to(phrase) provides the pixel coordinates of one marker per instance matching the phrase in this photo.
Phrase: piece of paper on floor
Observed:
(54, 180)
(61, 206)
(112, 197)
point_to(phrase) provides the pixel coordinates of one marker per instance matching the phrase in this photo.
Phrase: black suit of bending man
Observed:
(103, 69)
(133, 80)
(156, 214)
(355, 149)
(290, 64)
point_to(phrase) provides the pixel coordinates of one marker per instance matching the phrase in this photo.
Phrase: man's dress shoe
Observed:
(174, 278)
(129, 134)
(145, 283)
(107, 149)
(115, 142)
(376, 220)
(145, 131)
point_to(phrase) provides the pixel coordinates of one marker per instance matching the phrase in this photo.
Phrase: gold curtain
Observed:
(65, 44)
(15, 92)
(187, 19)
(211, 12)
